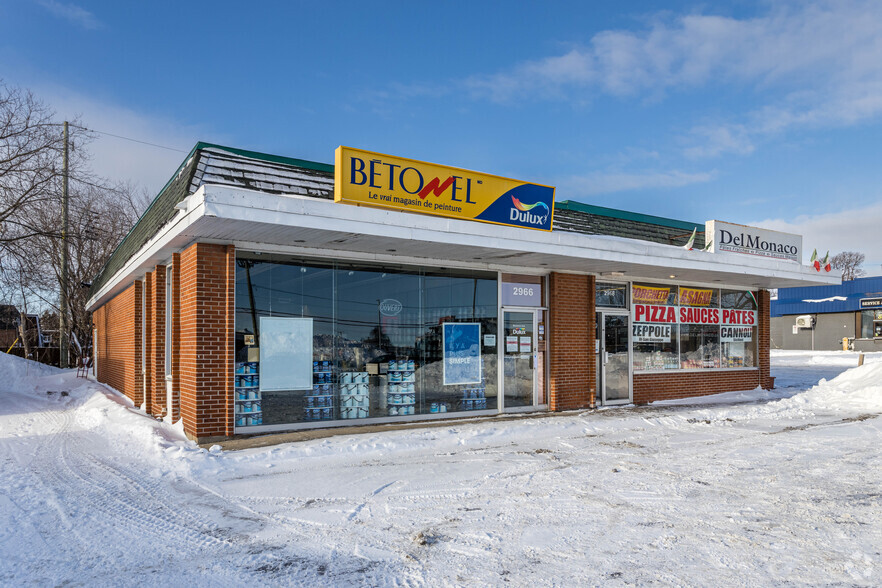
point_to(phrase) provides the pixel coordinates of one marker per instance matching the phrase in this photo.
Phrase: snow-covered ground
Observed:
(749, 488)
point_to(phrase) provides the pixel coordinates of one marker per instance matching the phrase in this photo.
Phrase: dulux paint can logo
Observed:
(528, 213)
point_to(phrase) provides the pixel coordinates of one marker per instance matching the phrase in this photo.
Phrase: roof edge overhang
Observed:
(226, 214)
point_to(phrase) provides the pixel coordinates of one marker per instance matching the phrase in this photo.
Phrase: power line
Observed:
(130, 139)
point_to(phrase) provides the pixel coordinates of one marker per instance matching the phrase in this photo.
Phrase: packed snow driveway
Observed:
(93, 492)
(749, 488)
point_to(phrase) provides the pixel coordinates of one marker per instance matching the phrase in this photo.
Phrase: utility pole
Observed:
(62, 314)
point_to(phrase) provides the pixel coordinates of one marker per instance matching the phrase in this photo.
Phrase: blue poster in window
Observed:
(462, 353)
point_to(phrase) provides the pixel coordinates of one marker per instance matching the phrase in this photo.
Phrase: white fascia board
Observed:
(239, 204)
(157, 249)
(300, 211)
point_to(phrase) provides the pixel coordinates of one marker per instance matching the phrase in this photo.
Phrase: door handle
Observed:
(605, 357)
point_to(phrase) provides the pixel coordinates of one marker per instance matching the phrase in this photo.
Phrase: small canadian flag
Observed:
(816, 263)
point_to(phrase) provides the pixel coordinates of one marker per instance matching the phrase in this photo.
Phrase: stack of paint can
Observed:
(354, 395)
(247, 395)
(319, 405)
(401, 389)
(473, 399)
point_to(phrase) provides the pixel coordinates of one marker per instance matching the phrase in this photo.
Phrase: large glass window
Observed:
(699, 346)
(377, 339)
(699, 328)
(692, 328)
(871, 324)
(609, 295)
(654, 329)
(738, 328)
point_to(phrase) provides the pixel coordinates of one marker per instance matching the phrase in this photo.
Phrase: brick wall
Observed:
(763, 300)
(149, 329)
(176, 337)
(652, 387)
(572, 379)
(207, 279)
(117, 348)
(155, 356)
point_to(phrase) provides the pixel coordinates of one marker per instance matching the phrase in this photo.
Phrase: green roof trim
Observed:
(313, 165)
(625, 215)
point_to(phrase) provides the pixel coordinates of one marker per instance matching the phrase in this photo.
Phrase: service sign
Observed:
(365, 178)
(753, 241)
(871, 302)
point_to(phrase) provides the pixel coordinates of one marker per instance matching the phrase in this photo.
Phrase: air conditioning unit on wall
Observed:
(805, 321)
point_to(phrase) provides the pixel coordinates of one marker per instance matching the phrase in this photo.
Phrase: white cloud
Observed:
(787, 46)
(711, 141)
(606, 183)
(848, 230)
(73, 13)
(815, 64)
(120, 159)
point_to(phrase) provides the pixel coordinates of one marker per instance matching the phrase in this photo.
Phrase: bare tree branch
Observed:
(850, 263)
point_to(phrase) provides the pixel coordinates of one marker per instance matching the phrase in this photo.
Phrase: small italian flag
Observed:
(816, 263)
(688, 245)
(826, 263)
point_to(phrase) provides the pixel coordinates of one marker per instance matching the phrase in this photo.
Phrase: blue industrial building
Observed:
(819, 317)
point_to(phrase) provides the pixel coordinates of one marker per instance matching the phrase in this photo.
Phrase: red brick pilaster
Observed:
(137, 395)
(207, 278)
(149, 334)
(155, 393)
(176, 336)
(571, 334)
(763, 299)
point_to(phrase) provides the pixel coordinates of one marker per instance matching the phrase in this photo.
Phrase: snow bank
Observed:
(21, 374)
(95, 407)
(857, 389)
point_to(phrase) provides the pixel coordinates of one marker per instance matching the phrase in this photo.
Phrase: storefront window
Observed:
(654, 328)
(871, 324)
(738, 328)
(611, 295)
(692, 328)
(699, 328)
(699, 346)
(384, 341)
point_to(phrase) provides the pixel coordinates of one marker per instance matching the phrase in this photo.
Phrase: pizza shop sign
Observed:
(651, 323)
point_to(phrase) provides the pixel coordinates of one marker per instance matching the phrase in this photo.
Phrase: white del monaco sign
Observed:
(753, 241)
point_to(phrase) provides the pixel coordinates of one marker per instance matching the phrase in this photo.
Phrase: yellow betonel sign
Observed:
(365, 178)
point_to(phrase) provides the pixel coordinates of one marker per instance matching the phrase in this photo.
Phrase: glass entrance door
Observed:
(614, 358)
(519, 358)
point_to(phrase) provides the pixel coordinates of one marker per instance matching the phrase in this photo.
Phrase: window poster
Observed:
(736, 334)
(526, 344)
(462, 353)
(285, 353)
(650, 333)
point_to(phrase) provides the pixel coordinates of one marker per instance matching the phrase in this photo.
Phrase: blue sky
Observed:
(761, 113)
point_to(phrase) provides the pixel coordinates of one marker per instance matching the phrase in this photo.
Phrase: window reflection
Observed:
(377, 338)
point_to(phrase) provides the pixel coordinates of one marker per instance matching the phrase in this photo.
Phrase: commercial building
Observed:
(820, 317)
(246, 299)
